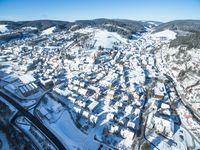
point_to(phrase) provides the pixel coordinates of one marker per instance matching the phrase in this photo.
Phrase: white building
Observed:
(93, 105)
(164, 126)
(127, 134)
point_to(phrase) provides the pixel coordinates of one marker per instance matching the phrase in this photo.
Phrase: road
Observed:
(34, 121)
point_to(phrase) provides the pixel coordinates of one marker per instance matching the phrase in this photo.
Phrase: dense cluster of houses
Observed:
(105, 87)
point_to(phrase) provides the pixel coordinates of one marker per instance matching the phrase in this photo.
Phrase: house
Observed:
(47, 83)
(80, 103)
(131, 125)
(82, 91)
(104, 83)
(93, 119)
(166, 112)
(135, 95)
(159, 90)
(127, 134)
(107, 101)
(76, 82)
(72, 99)
(164, 126)
(165, 106)
(93, 105)
(128, 109)
(118, 105)
(96, 89)
(137, 111)
(110, 94)
(74, 87)
(86, 114)
(114, 128)
(110, 116)
(82, 84)
(64, 92)
(77, 110)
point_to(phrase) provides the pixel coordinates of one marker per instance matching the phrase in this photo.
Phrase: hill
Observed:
(188, 32)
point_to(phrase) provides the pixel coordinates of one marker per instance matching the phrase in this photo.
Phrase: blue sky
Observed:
(158, 10)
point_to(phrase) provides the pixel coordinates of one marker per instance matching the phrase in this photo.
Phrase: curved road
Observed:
(34, 121)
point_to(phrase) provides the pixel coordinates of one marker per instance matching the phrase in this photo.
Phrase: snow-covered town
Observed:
(91, 89)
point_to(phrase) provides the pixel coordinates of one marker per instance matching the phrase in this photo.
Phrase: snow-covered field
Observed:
(73, 137)
(103, 37)
(107, 39)
(48, 31)
(166, 33)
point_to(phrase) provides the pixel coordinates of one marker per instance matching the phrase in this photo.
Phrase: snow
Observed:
(135, 36)
(27, 78)
(12, 108)
(103, 37)
(74, 26)
(3, 28)
(48, 31)
(106, 39)
(31, 28)
(181, 145)
(4, 141)
(153, 23)
(166, 33)
(72, 136)
(110, 25)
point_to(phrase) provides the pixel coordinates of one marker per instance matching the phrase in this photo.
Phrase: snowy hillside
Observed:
(102, 37)
(3, 28)
(48, 31)
(166, 33)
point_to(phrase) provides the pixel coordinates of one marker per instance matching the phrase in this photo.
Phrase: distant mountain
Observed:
(39, 24)
(183, 25)
(188, 32)
(190, 41)
(124, 27)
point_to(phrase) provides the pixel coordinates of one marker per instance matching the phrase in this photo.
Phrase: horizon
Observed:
(68, 10)
(99, 18)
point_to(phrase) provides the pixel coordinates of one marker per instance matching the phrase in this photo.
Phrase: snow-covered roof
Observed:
(165, 106)
(27, 78)
(93, 105)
